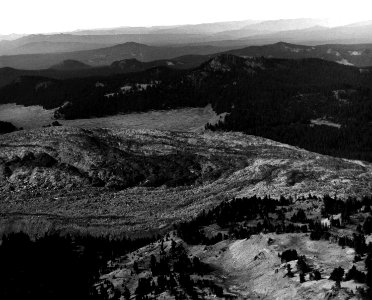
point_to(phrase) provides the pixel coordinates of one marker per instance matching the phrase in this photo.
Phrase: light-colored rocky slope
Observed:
(133, 180)
(251, 268)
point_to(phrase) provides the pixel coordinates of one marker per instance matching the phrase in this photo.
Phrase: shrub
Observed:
(367, 225)
(337, 274)
(301, 264)
(354, 274)
(317, 275)
(289, 255)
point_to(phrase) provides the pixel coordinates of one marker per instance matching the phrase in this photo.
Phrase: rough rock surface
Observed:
(135, 180)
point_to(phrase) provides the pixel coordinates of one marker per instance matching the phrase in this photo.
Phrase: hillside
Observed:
(355, 54)
(235, 268)
(222, 69)
(120, 180)
(80, 70)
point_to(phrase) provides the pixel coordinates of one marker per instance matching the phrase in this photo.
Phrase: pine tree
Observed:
(153, 264)
(126, 293)
(337, 275)
(135, 267)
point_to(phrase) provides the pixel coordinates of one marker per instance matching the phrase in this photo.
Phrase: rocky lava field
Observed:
(141, 182)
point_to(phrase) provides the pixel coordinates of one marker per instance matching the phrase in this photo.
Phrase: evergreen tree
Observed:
(337, 275)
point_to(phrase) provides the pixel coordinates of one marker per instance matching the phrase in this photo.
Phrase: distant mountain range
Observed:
(267, 27)
(101, 47)
(75, 69)
(106, 56)
(222, 34)
(9, 37)
(205, 28)
(132, 57)
(350, 34)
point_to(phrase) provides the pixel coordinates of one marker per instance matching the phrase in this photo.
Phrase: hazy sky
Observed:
(36, 16)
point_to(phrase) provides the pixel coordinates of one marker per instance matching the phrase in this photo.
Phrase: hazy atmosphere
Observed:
(43, 16)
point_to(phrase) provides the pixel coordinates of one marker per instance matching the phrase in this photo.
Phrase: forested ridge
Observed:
(273, 98)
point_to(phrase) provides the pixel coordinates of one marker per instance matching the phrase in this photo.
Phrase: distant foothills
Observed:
(184, 56)
(134, 57)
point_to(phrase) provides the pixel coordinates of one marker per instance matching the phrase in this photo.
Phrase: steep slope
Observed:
(249, 268)
(128, 180)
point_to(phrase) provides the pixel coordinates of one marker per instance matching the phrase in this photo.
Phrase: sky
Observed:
(42, 16)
